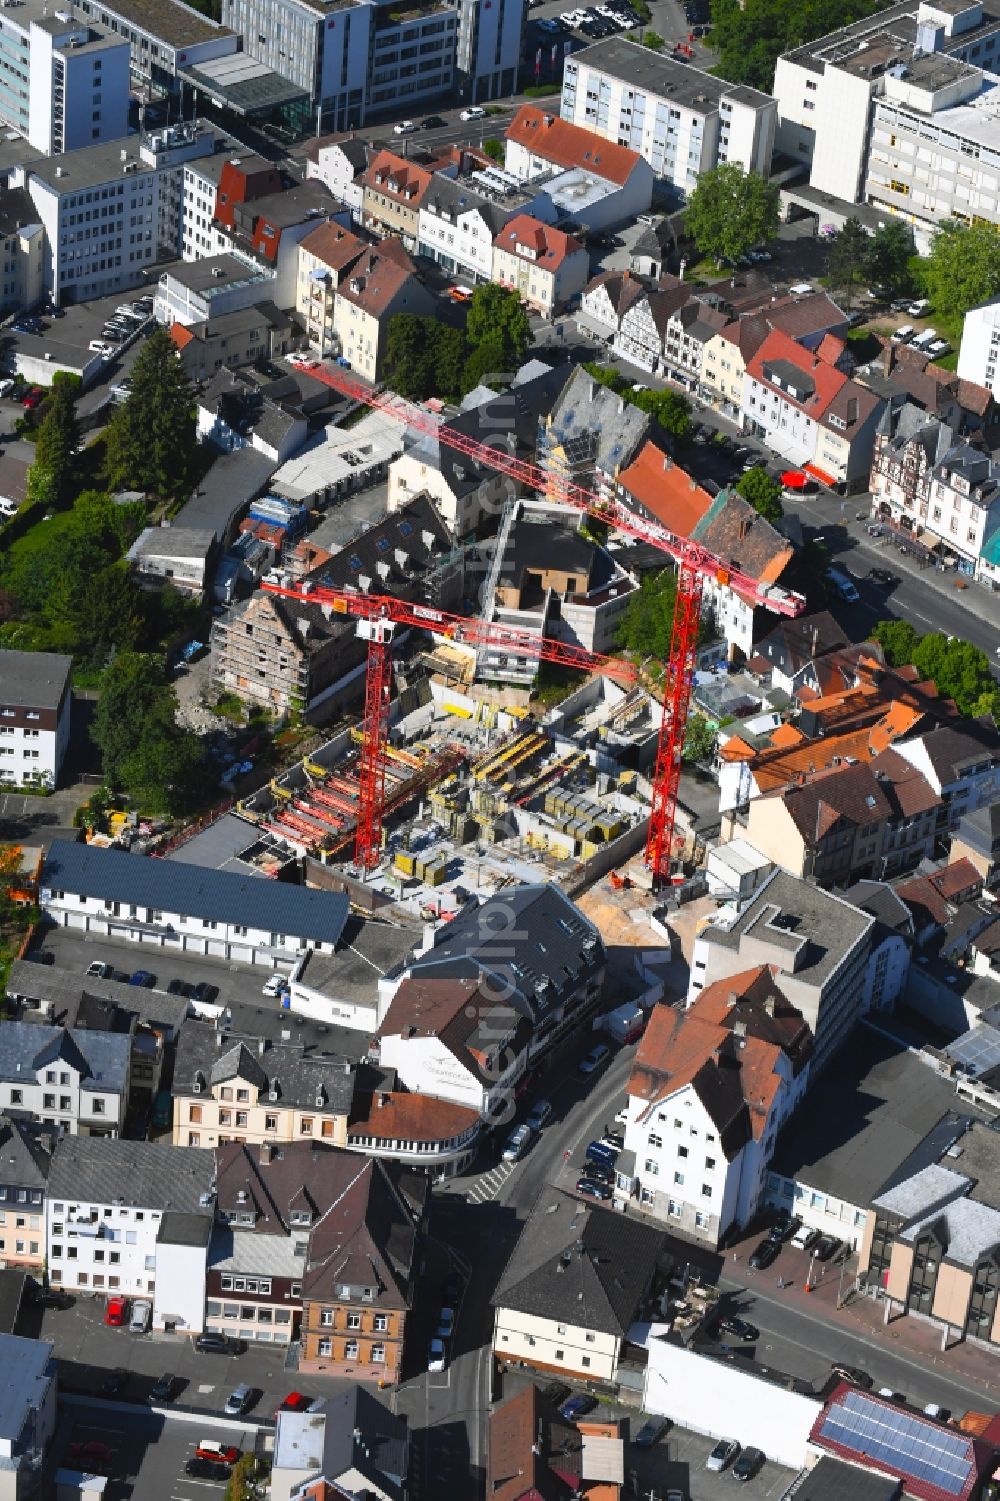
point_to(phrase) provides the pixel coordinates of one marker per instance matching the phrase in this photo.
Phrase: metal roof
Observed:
(214, 895)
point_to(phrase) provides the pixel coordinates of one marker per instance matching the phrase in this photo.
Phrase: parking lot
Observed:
(148, 1454)
(64, 343)
(678, 1461)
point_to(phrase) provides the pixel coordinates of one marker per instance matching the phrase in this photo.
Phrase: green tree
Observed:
(653, 41)
(485, 363)
(960, 670)
(152, 436)
(449, 360)
(963, 268)
(494, 149)
(409, 355)
(649, 616)
(888, 259)
(699, 739)
(898, 640)
(143, 751)
(606, 375)
(671, 410)
(750, 35)
(497, 319)
(59, 438)
(848, 259)
(763, 492)
(731, 211)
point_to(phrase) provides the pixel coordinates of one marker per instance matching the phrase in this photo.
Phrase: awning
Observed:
(820, 474)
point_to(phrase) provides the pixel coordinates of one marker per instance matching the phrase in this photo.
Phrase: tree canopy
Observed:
(699, 739)
(731, 211)
(425, 357)
(888, 258)
(151, 437)
(960, 670)
(751, 37)
(57, 442)
(763, 492)
(848, 259)
(649, 616)
(496, 319)
(144, 753)
(963, 268)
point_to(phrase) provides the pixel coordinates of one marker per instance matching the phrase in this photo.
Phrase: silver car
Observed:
(722, 1455)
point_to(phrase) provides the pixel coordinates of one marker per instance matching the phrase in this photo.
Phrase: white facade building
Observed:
(117, 1217)
(75, 1080)
(155, 902)
(63, 82)
(979, 356)
(681, 121)
(35, 706)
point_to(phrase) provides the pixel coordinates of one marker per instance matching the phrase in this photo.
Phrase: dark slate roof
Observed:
(954, 751)
(100, 1058)
(363, 1435)
(12, 1281)
(833, 1480)
(299, 1075)
(586, 1265)
(878, 899)
(215, 895)
(233, 481)
(141, 1174)
(510, 423)
(980, 830)
(536, 545)
(177, 1229)
(33, 679)
(90, 1003)
(369, 1236)
(25, 1153)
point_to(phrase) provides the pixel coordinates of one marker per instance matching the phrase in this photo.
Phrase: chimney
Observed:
(739, 1029)
(266, 1152)
(852, 409)
(668, 462)
(888, 357)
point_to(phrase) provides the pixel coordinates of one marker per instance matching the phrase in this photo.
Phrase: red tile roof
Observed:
(666, 491)
(568, 145)
(180, 335)
(396, 1116)
(546, 247)
(335, 246)
(826, 381)
(398, 179)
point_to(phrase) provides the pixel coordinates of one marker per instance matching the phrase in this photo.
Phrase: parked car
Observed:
(405, 128)
(460, 294)
(34, 398)
(920, 308)
(594, 1061)
(473, 112)
(179, 987)
(50, 1297)
(739, 1328)
(937, 1412)
(299, 1402)
(764, 1255)
(436, 1355)
(238, 1401)
(204, 992)
(141, 1315)
(578, 1406)
(852, 1373)
(722, 1455)
(613, 1139)
(214, 1343)
(591, 1188)
(99, 970)
(556, 1392)
(433, 122)
(785, 1225)
(651, 1430)
(827, 1246)
(748, 1463)
(275, 985)
(884, 576)
(599, 1153)
(116, 1313)
(144, 978)
(162, 1389)
(207, 1469)
(601, 1172)
(517, 1143)
(804, 1238)
(114, 1381)
(538, 1115)
(210, 1448)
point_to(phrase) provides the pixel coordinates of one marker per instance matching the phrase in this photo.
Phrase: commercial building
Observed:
(22, 255)
(64, 82)
(199, 291)
(131, 1218)
(166, 38)
(977, 358)
(75, 1081)
(680, 120)
(594, 181)
(35, 706)
(155, 903)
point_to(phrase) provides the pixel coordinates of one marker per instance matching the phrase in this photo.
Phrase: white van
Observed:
(926, 339)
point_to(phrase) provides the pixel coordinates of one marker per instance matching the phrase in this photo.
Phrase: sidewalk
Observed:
(861, 1315)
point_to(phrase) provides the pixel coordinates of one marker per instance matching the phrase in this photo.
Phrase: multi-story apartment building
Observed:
(362, 1269)
(76, 1081)
(709, 1089)
(131, 1219)
(456, 225)
(64, 83)
(380, 285)
(681, 121)
(24, 1173)
(22, 251)
(827, 90)
(543, 265)
(325, 258)
(978, 357)
(229, 1088)
(817, 944)
(927, 480)
(962, 764)
(154, 904)
(393, 190)
(35, 707)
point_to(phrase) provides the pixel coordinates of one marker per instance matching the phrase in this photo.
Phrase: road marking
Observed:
(490, 1184)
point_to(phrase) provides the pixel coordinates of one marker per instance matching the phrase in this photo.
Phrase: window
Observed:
(706, 1190)
(682, 1151)
(709, 1162)
(353, 1319)
(679, 1178)
(923, 1277)
(675, 1209)
(378, 1354)
(560, 1355)
(306, 1128)
(351, 1350)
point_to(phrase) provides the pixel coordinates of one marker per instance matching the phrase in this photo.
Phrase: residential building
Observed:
(576, 1282)
(232, 1088)
(809, 411)
(233, 340)
(35, 706)
(869, 820)
(393, 190)
(67, 81)
(806, 319)
(326, 256)
(362, 1272)
(681, 120)
(237, 411)
(792, 647)
(419, 1131)
(290, 655)
(354, 1446)
(892, 941)
(26, 1159)
(22, 248)
(555, 968)
(155, 903)
(685, 327)
(709, 1090)
(533, 1449)
(826, 90)
(928, 481)
(977, 357)
(551, 581)
(593, 178)
(28, 1413)
(268, 224)
(977, 839)
(962, 764)
(818, 945)
(380, 285)
(180, 556)
(456, 224)
(455, 1039)
(590, 434)
(131, 1218)
(546, 267)
(605, 300)
(340, 163)
(76, 1081)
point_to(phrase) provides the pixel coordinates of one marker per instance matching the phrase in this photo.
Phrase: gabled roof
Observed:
(539, 243)
(465, 1015)
(25, 1152)
(665, 490)
(807, 382)
(335, 246)
(100, 1058)
(298, 1076)
(621, 287)
(368, 1237)
(594, 426)
(534, 1453)
(143, 1174)
(732, 529)
(375, 280)
(362, 1436)
(401, 180)
(395, 1115)
(567, 145)
(581, 1265)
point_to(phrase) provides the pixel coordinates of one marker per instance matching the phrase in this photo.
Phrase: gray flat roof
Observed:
(367, 951)
(869, 1112)
(833, 1480)
(220, 845)
(658, 73)
(89, 166)
(213, 271)
(33, 679)
(230, 485)
(216, 895)
(173, 542)
(828, 924)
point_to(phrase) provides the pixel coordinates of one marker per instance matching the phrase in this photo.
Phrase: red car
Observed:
(91, 1452)
(222, 1453)
(295, 1402)
(116, 1313)
(34, 398)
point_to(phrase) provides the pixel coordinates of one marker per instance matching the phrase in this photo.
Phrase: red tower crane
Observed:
(377, 616)
(694, 564)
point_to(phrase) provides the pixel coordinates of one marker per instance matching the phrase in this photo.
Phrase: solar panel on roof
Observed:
(901, 1441)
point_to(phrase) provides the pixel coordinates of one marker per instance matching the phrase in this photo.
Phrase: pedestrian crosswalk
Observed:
(489, 1184)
